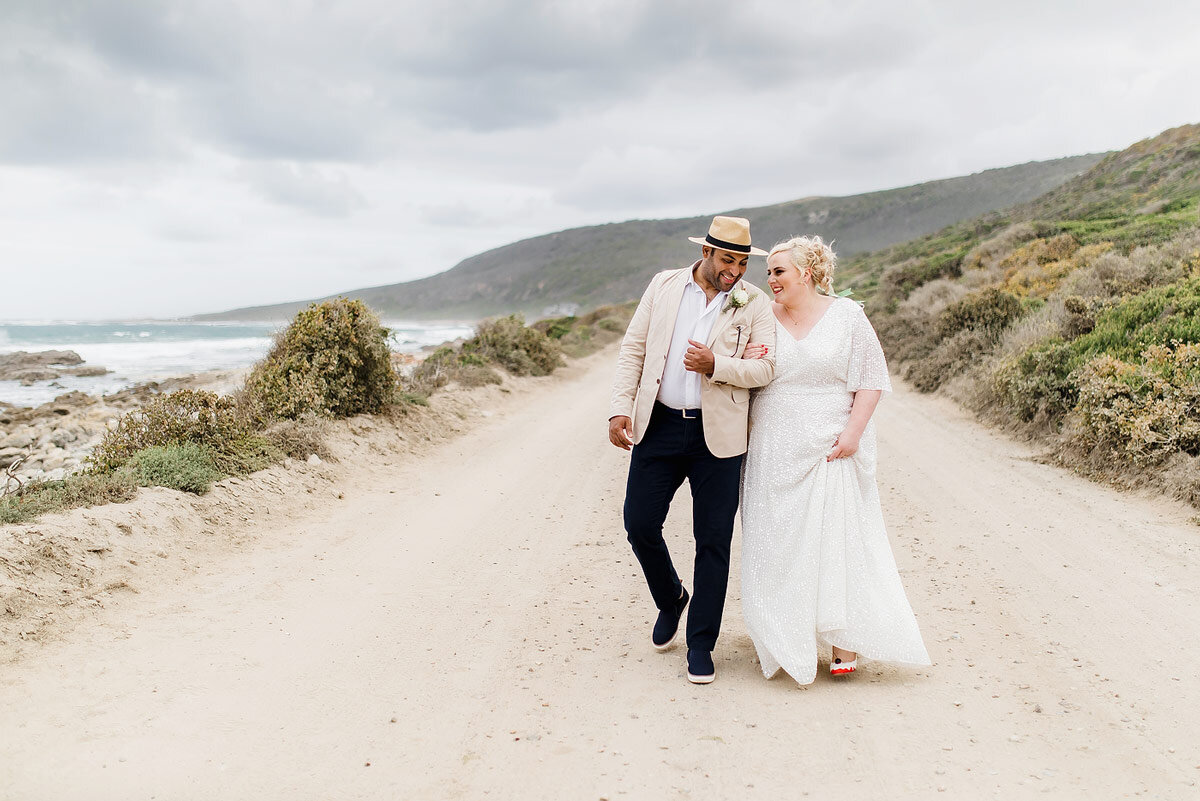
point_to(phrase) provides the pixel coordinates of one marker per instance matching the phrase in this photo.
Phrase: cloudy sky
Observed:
(168, 157)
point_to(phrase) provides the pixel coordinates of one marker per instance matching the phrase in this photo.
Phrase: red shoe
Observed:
(839, 668)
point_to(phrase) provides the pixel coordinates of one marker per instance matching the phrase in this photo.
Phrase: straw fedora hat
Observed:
(729, 233)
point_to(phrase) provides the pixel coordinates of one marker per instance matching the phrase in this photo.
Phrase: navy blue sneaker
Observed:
(700, 667)
(667, 625)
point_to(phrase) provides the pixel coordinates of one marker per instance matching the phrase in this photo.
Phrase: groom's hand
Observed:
(699, 359)
(620, 431)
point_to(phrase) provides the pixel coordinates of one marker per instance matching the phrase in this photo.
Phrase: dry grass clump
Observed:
(299, 438)
(74, 491)
(448, 364)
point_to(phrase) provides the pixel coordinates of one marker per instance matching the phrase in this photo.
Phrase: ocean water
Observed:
(136, 352)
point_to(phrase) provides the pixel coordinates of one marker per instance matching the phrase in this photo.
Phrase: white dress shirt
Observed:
(680, 388)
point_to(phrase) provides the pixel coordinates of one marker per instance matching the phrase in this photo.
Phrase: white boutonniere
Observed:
(737, 299)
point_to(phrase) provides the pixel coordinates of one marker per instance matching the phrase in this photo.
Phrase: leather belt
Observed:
(686, 414)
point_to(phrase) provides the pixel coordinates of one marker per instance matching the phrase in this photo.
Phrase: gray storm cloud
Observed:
(239, 137)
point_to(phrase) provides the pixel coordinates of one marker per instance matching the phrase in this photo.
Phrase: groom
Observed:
(680, 400)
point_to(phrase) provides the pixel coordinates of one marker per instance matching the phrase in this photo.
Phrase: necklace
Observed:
(788, 312)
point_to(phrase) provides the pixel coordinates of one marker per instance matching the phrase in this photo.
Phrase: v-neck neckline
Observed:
(814, 327)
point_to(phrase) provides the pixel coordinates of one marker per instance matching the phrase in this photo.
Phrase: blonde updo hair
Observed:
(812, 254)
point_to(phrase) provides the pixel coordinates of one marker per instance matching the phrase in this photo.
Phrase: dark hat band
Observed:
(723, 245)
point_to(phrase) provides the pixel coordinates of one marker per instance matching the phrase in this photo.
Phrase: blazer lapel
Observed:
(672, 295)
(723, 318)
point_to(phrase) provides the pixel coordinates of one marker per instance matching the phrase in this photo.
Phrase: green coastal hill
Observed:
(611, 263)
(1073, 318)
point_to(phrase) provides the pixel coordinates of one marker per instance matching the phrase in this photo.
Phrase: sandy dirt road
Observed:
(470, 624)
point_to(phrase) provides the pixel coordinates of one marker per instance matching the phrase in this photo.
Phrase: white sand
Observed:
(468, 622)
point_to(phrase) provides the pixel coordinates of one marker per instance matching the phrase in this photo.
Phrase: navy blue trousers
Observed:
(671, 450)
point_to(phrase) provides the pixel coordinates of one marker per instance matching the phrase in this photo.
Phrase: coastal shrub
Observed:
(906, 334)
(1154, 317)
(518, 348)
(934, 297)
(989, 310)
(989, 253)
(1143, 411)
(1037, 385)
(184, 466)
(1078, 318)
(447, 364)
(898, 280)
(1039, 278)
(557, 329)
(587, 333)
(332, 360)
(948, 358)
(75, 491)
(195, 416)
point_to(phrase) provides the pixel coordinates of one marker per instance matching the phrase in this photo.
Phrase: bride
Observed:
(816, 564)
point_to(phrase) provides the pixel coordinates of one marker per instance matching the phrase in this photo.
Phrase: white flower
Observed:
(737, 299)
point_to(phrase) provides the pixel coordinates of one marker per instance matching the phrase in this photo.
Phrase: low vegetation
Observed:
(331, 362)
(1074, 319)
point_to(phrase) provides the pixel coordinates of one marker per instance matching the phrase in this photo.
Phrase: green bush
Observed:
(1154, 317)
(1078, 318)
(203, 418)
(518, 348)
(906, 334)
(184, 466)
(579, 336)
(1038, 386)
(989, 310)
(899, 280)
(76, 490)
(1143, 412)
(332, 360)
(557, 329)
(447, 364)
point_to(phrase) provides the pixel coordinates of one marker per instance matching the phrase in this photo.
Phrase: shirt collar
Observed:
(692, 282)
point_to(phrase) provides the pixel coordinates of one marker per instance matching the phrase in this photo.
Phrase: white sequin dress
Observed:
(816, 563)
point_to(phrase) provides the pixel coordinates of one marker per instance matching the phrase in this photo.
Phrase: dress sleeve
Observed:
(867, 368)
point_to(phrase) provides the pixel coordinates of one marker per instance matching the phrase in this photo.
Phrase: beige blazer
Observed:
(725, 396)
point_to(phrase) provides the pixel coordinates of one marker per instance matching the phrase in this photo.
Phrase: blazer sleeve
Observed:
(632, 356)
(751, 372)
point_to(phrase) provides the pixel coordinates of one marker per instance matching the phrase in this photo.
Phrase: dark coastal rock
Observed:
(45, 358)
(30, 377)
(88, 372)
(46, 365)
